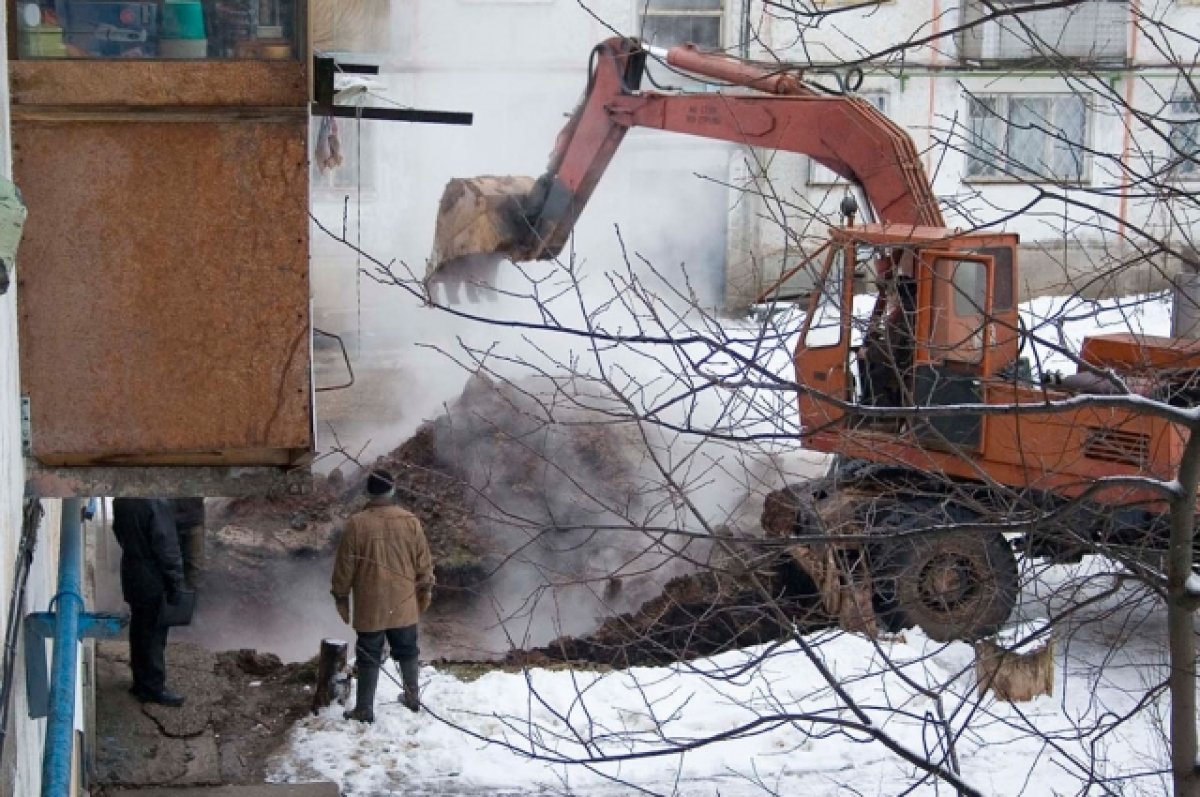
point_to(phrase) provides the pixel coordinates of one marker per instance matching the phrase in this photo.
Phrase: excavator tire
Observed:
(952, 585)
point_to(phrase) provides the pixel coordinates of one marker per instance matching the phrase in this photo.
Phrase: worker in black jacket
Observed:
(151, 572)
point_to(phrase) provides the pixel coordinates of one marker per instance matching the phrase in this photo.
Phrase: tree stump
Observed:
(1017, 664)
(331, 664)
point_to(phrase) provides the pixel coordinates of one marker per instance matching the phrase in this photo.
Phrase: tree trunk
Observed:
(1180, 634)
(330, 662)
(1014, 675)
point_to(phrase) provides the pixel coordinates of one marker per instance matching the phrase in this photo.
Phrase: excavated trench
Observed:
(534, 528)
(539, 558)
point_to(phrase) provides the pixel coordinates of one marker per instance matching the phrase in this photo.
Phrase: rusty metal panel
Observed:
(125, 83)
(163, 294)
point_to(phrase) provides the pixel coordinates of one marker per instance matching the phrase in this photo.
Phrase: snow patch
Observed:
(1024, 638)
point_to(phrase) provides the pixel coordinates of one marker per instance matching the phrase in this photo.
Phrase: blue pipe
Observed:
(60, 728)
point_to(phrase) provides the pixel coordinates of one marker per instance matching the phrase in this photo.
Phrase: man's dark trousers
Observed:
(402, 641)
(147, 648)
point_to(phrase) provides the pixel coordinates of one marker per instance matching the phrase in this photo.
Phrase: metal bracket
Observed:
(324, 69)
(26, 428)
(39, 626)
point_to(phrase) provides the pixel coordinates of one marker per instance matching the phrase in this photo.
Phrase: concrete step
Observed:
(264, 790)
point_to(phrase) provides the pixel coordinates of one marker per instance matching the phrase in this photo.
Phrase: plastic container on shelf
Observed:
(183, 48)
(112, 30)
(182, 19)
(183, 30)
(43, 41)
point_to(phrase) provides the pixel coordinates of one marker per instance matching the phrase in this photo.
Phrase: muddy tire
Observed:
(953, 586)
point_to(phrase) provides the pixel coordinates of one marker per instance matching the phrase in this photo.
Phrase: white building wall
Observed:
(521, 68)
(520, 65)
(1064, 244)
(20, 768)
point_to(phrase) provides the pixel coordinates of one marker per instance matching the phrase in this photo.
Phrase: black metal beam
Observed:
(358, 69)
(394, 114)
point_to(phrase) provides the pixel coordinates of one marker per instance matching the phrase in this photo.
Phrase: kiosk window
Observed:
(168, 29)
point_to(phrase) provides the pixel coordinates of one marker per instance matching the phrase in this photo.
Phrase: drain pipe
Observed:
(60, 728)
(67, 624)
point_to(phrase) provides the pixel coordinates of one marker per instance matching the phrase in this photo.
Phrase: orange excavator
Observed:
(938, 427)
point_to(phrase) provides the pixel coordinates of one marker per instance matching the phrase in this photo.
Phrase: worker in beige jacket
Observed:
(383, 563)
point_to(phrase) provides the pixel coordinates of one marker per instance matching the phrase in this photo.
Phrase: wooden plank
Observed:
(125, 83)
(76, 113)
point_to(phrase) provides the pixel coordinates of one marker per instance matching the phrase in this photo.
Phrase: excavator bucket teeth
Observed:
(480, 222)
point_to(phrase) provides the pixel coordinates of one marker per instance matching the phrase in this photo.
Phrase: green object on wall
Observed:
(12, 222)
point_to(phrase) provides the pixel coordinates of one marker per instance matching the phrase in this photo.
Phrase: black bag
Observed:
(181, 612)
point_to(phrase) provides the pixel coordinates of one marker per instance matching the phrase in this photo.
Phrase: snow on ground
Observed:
(1064, 321)
(477, 736)
(779, 726)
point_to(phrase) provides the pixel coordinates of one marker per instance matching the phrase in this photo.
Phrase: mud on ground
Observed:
(492, 466)
(240, 706)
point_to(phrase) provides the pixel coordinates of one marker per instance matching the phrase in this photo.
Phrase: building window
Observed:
(1087, 31)
(1185, 138)
(1021, 137)
(669, 22)
(818, 174)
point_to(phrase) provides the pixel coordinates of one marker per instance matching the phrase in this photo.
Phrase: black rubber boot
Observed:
(364, 701)
(408, 674)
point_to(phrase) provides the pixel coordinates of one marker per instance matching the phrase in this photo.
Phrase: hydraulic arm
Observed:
(769, 107)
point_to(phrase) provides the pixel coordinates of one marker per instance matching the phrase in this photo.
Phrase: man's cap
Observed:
(380, 482)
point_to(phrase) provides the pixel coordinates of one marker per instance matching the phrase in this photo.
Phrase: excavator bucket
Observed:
(480, 222)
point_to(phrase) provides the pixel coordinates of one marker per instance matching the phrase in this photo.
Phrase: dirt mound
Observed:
(269, 526)
(495, 461)
(700, 614)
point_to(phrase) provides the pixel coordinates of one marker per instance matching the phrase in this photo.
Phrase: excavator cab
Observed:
(906, 317)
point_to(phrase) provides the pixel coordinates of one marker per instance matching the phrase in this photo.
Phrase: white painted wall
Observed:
(520, 65)
(928, 96)
(20, 769)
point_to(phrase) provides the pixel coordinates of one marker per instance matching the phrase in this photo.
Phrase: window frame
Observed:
(61, 36)
(1002, 115)
(831, 287)
(644, 9)
(1180, 120)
